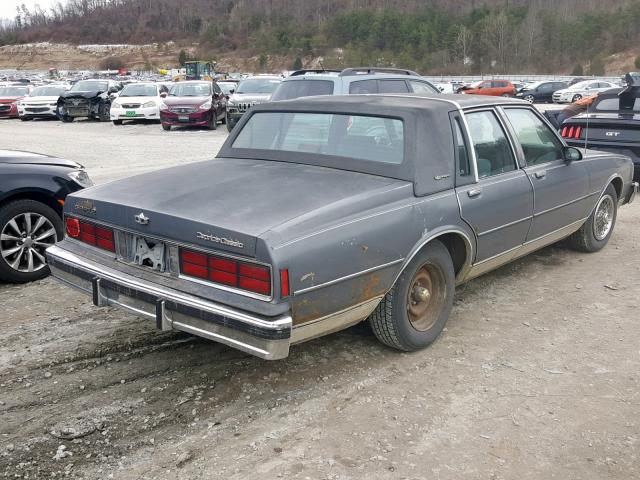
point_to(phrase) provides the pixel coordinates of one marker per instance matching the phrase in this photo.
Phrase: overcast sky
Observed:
(8, 7)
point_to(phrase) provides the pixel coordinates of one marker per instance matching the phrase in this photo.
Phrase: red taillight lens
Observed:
(225, 271)
(91, 234)
(570, 134)
(578, 132)
(564, 132)
(73, 227)
(284, 283)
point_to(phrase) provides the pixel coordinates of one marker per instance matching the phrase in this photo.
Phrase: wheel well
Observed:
(38, 197)
(457, 247)
(617, 184)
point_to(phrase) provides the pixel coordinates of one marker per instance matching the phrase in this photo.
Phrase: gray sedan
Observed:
(320, 213)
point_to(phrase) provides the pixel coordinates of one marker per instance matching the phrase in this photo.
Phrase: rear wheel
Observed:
(27, 229)
(414, 312)
(597, 230)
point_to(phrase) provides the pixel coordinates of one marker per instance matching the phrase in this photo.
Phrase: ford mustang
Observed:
(319, 213)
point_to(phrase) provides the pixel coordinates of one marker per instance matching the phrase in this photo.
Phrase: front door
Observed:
(499, 206)
(561, 188)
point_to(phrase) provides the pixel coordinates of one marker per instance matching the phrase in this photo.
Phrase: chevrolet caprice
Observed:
(323, 212)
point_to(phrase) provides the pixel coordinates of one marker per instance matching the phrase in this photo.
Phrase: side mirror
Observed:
(113, 90)
(163, 95)
(231, 92)
(572, 154)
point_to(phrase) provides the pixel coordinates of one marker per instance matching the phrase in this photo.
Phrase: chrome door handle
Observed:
(540, 175)
(474, 193)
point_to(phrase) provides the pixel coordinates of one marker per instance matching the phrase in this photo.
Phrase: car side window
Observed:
(539, 143)
(493, 153)
(545, 87)
(462, 155)
(363, 87)
(422, 87)
(392, 86)
(216, 88)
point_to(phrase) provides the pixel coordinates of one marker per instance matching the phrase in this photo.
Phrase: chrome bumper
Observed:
(267, 338)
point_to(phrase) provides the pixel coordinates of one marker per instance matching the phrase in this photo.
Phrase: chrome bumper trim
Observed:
(171, 309)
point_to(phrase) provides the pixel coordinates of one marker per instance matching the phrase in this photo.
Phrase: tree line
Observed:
(431, 36)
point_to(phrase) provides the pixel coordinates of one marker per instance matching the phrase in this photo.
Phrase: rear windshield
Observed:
(377, 139)
(302, 88)
(613, 105)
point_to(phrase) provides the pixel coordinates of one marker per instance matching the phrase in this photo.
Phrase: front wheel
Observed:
(166, 128)
(117, 122)
(597, 230)
(27, 229)
(25, 119)
(104, 112)
(213, 123)
(529, 98)
(576, 98)
(505, 95)
(66, 119)
(414, 312)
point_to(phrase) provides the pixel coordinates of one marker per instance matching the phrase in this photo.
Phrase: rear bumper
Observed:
(267, 338)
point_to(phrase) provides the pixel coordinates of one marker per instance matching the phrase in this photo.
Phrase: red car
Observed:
(193, 104)
(9, 98)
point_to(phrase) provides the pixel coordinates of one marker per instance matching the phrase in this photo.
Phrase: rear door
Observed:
(545, 91)
(561, 188)
(498, 201)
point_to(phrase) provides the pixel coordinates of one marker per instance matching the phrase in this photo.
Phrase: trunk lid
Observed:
(609, 128)
(223, 204)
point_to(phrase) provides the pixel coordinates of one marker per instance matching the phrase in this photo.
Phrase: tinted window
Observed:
(539, 143)
(423, 87)
(545, 87)
(613, 104)
(392, 86)
(302, 88)
(490, 143)
(363, 87)
(377, 139)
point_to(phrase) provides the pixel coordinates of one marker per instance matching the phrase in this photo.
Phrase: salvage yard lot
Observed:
(536, 376)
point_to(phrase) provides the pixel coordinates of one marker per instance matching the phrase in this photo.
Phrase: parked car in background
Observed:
(321, 212)
(88, 99)
(367, 80)
(495, 88)
(540, 92)
(42, 102)
(137, 101)
(250, 91)
(194, 103)
(581, 89)
(33, 189)
(9, 98)
(611, 124)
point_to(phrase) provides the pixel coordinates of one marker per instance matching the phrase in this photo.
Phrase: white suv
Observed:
(581, 89)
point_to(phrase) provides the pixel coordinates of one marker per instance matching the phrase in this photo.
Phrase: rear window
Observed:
(377, 139)
(613, 105)
(302, 88)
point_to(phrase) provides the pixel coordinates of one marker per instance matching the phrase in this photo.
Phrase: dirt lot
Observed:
(536, 377)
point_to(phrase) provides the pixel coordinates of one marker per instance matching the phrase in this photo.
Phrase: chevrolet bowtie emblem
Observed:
(142, 219)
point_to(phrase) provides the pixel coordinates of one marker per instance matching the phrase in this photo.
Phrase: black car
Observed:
(540, 92)
(88, 99)
(611, 124)
(33, 189)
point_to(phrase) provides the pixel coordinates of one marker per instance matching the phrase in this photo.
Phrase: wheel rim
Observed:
(529, 98)
(603, 218)
(24, 239)
(426, 297)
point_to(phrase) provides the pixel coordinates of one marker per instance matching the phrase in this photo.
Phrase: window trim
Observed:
(457, 120)
(495, 110)
(503, 110)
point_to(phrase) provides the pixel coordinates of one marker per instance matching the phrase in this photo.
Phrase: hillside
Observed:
(437, 36)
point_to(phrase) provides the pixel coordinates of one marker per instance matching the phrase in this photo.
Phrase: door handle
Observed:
(474, 193)
(540, 175)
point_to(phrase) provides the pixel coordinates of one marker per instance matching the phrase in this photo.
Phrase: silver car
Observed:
(322, 212)
(250, 92)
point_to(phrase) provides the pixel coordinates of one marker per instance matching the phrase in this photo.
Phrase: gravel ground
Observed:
(536, 376)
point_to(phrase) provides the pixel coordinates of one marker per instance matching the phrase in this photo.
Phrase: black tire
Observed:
(591, 237)
(25, 119)
(224, 119)
(391, 322)
(66, 119)
(530, 98)
(230, 125)
(166, 128)
(576, 97)
(213, 123)
(104, 111)
(505, 95)
(117, 122)
(7, 213)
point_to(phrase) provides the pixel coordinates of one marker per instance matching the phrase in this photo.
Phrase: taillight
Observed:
(578, 132)
(564, 132)
(284, 283)
(573, 131)
(91, 234)
(226, 271)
